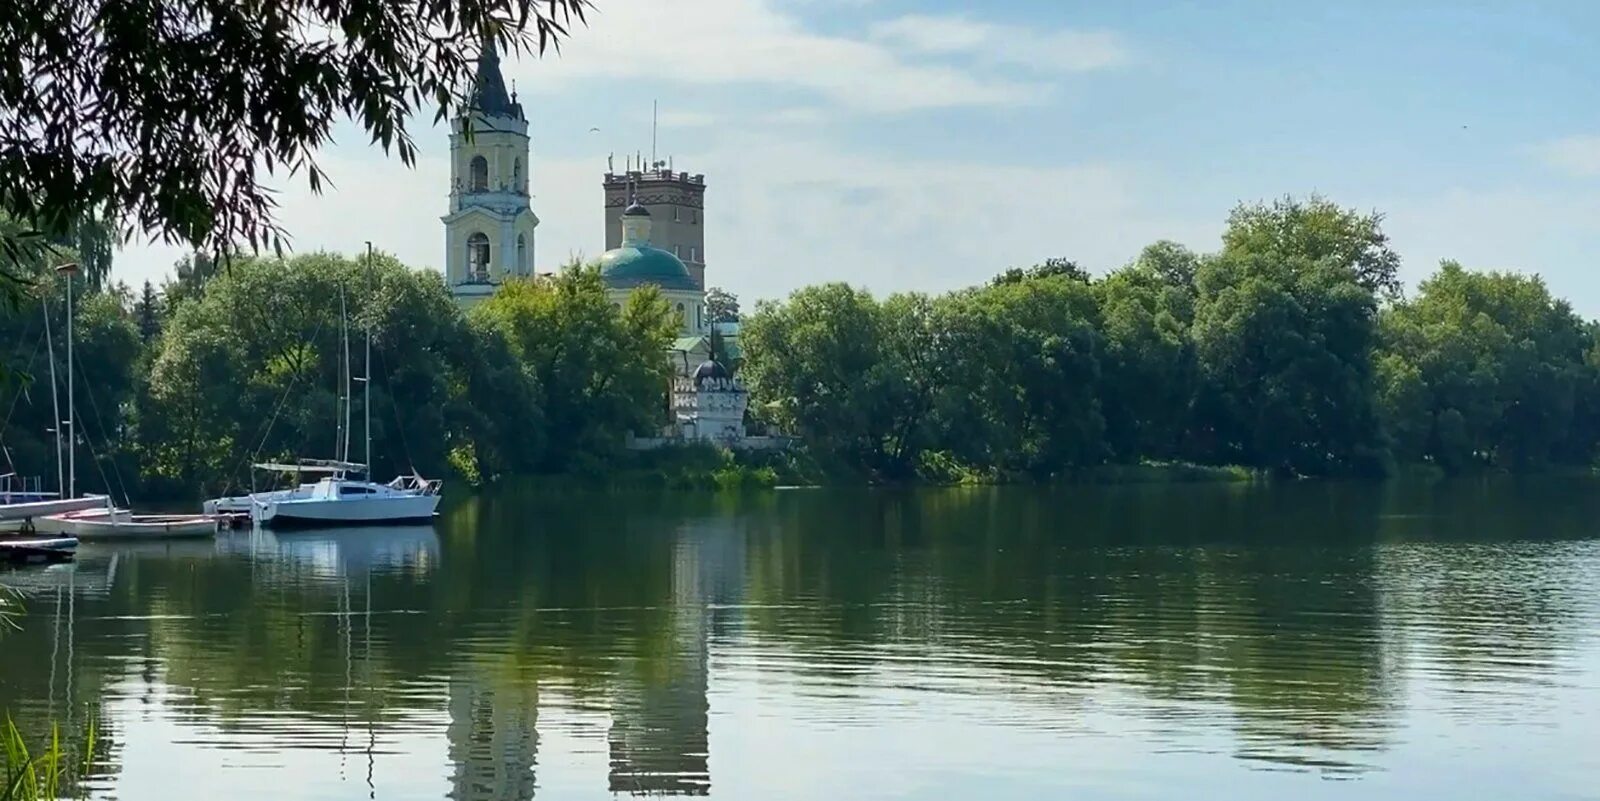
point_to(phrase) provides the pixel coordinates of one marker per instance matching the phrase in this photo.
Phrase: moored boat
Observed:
(121, 524)
(348, 496)
(339, 500)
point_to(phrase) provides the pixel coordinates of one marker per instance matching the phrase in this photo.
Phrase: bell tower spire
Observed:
(490, 225)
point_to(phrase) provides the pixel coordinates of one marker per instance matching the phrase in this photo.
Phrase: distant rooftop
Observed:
(622, 179)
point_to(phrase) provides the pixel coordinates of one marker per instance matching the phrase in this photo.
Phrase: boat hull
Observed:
(348, 512)
(121, 525)
(244, 504)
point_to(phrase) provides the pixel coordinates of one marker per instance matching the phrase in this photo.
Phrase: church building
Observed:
(489, 230)
(655, 234)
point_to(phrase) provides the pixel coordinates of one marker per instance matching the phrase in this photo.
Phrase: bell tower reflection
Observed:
(494, 739)
(659, 738)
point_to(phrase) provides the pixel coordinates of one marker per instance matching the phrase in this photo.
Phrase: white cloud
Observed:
(781, 213)
(1044, 51)
(1522, 229)
(797, 115)
(751, 42)
(784, 212)
(1576, 155)
(686, 119)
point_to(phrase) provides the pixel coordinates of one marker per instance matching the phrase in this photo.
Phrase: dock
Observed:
(37, 551)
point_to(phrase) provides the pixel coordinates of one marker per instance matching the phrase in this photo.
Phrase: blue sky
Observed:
(928, 145)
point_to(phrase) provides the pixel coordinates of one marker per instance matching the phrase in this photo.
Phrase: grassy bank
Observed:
(937, 469)
(706, 468)
(692, 467)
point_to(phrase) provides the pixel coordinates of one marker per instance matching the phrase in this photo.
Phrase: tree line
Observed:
(180, 390)
(1291, 349)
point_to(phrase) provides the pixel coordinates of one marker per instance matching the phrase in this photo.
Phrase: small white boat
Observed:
(337, 500)
(121, 524)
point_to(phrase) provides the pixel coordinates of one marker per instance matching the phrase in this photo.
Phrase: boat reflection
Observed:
(341, 551)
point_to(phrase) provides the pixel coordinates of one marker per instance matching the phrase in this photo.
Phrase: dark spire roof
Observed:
(635, 208)
(489, 88)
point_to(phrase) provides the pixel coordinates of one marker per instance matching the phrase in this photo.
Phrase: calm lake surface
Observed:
(1302, 641)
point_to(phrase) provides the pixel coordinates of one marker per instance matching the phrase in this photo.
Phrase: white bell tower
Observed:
(489, 230)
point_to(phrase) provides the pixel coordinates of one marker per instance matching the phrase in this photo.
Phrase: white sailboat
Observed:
(98, 518)
(346, 496)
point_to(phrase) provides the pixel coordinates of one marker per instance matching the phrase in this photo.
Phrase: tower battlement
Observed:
(676, 201)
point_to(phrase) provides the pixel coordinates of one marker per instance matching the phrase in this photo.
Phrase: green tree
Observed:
(722, 306)
(190, 275)
(1050, 267)
(1284, 348)
(252, 370)
(164, 120)
(1316, 229)
(834, 366)
(147, 312)
(1023, 366)
(1149, 375)
(1485, 368)
(598, 372)
(106, 351)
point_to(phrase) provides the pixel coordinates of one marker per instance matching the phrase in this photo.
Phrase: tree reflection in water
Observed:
(1279, 626)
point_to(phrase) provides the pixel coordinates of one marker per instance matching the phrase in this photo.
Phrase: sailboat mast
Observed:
(366, 368)
(70, 269)
(55, 401)
(344, 318)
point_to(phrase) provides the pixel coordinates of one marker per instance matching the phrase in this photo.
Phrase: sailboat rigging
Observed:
(347, 495)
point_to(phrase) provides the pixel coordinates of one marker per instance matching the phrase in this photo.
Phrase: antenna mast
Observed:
(655, 114)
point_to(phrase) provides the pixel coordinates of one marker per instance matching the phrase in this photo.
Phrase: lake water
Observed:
(1301, 641)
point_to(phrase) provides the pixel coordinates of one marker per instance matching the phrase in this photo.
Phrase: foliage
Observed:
(722, 306)
(595, 371)
(147, 313)
(251, 369)
(106, 353)
(10, 609)
(1050, 267)
(844, 372)
(1317, 229)
(1288, 351)
(189, 278)
(1284, 347)
(1020, 363)
(1485, 369)
(162, 115)
(1282, 352)
(42, 776)
(1150, 371)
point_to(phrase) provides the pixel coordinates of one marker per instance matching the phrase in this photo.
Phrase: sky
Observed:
(929, 145)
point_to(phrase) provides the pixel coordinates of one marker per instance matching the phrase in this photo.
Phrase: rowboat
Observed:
(121, 524)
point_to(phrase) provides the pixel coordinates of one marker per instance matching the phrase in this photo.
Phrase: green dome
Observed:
(628, 267)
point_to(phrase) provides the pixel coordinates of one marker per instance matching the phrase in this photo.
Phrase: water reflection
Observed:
(533, 646)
